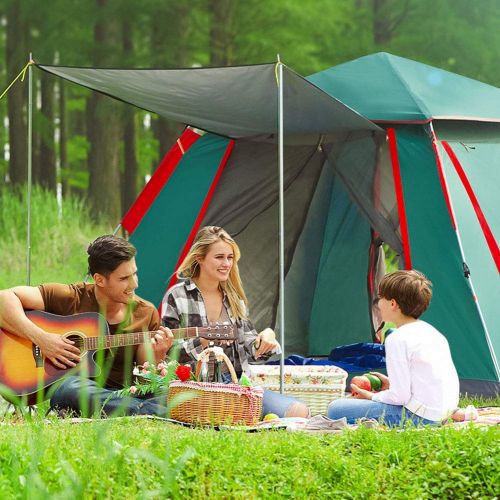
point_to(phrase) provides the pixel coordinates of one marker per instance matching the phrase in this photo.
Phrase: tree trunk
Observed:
(63, 156)
(104, 128)
(104, 181)
(47, 156)
(76, 127)
(130, 158)
(131, 167)
(221, 31)
(166, 132)
(169, 49)
(387, 15)
(15, 57)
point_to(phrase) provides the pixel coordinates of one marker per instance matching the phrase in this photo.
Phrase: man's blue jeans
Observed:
(390, 415)
(84, 397)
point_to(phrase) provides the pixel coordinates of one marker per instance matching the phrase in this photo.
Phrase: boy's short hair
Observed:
(412, 290)
(107, 252)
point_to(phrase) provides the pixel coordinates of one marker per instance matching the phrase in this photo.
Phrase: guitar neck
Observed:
(134, 338)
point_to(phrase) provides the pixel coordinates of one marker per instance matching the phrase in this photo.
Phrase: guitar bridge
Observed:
(37, 356)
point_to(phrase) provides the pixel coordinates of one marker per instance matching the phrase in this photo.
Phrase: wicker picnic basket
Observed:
(215, 403)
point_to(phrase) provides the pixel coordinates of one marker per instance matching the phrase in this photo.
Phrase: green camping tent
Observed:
(444, 138)
(346, 191)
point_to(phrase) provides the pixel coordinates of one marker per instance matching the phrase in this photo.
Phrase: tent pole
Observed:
(281, 226)
(30, 173)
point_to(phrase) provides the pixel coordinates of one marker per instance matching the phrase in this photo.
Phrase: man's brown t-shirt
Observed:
(79, 298)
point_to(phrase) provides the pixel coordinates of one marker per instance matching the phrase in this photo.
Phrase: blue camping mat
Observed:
(359, 357)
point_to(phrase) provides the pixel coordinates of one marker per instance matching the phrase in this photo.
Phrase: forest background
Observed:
(90, 146)
(91, 157)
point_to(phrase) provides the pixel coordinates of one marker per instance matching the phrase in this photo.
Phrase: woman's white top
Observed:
(422, 375)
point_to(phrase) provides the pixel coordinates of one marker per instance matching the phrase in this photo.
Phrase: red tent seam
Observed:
(166, 168)
(490, 238)
(398, 186)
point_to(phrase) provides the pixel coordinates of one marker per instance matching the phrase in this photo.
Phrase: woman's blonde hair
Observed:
(190, 268)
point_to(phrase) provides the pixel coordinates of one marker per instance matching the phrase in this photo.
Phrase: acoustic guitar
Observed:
(25, 371)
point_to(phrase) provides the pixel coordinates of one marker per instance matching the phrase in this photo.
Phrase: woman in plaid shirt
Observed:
(210, 291)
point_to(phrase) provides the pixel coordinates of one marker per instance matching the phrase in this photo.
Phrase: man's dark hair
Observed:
(107, 252)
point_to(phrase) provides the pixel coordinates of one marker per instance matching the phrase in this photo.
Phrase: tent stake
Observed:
(30, 174)
(281, 226)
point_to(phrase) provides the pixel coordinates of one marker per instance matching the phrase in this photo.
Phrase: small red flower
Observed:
(183, 372)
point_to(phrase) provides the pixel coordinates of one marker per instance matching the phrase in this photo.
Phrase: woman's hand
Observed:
(383, 378)
(265, 342)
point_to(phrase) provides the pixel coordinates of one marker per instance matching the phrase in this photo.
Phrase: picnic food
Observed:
(375, 382)
(270, 416)
(368, 382)
(362, 382)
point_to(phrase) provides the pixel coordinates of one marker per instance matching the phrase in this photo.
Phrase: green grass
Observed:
(59, 238)
(138, 458)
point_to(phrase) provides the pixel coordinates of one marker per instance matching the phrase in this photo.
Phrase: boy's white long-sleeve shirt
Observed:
(421, 372)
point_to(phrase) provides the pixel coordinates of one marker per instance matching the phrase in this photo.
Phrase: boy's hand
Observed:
(383, 378)
(358, 393)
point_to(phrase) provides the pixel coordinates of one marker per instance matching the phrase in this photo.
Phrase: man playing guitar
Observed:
(112, 265)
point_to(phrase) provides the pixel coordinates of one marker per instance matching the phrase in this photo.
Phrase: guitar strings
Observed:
(132, 338)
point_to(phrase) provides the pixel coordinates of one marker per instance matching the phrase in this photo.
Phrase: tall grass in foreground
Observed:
(59, 237)
(138, 458)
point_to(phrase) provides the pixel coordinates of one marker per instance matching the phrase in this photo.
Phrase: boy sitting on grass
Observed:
(422, 386)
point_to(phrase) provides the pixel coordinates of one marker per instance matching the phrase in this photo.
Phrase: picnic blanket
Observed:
(485, 416)
(319, 424)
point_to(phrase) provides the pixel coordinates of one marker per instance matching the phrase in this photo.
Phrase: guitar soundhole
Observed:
(78, 341)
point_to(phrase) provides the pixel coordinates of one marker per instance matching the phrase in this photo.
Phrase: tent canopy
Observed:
(321, 135)
(384, 87)
(236, 102)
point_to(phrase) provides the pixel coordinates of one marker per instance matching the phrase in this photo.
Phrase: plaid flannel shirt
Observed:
(183, 306)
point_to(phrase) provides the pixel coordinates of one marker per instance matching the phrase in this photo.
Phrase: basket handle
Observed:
(219, 353)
